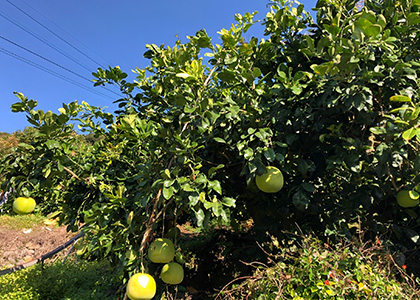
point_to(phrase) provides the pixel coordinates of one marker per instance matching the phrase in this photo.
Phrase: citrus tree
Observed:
(332, 103)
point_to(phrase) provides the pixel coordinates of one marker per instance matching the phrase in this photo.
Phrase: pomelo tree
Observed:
(332, 103)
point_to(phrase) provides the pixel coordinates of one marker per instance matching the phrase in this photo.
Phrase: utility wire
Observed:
(54, 63)
(27, 61)
(52, 32)
(40, 56)
(44, 41)
(68, 33)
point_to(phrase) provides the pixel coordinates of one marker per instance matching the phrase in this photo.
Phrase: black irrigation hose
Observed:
(42, 258)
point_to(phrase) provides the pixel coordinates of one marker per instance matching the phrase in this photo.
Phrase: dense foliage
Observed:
(332, 103)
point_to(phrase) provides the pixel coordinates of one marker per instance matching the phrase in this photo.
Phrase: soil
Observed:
(19, 246)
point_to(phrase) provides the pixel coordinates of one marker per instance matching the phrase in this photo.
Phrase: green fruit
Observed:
(161, 250)
(271, 181)
(404, 199)
(24, 205)
(141, 286)
(172, 273)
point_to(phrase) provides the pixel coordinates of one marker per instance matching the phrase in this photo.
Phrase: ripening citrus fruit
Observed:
(24, 205)
(404, 199)
(172, 273)
(271, 181)
(141, 286)
(161, 250)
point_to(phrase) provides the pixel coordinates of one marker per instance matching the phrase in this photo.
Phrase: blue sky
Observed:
(79, 34)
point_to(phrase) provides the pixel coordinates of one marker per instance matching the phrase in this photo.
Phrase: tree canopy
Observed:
(332, 103)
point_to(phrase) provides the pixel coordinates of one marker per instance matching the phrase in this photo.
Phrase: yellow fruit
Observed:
(271, 181)
(24, 205)
(161, 250)
(172, 273)
(404, 199)
(141, 286)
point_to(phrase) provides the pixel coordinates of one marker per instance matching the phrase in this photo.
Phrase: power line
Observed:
(52, 32)
(27, 61)
(54, 63)
(68, 33)
(46, 59)
(44, 41)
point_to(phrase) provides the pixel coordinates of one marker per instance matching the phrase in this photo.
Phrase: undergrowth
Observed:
(61, 281)
(311, 269)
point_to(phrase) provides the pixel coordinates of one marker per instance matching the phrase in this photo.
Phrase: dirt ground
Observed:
(24, 245)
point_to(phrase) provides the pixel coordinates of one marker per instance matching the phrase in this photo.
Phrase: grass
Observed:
(21, 221)
(61, 281)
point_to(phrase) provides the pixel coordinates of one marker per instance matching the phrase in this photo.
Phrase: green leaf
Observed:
(26, 146)
(60, 166)
(202, 197)
(230, 202)
(183, 75)
(248, 153)
(413, 236)
(377, 130)
(320, 69)
(168, 183)
(62, 119)
(300, 200)
(187, 188)
(373, 30)
(256, 72)
(231, 60)
(193, 199)
(400, 98)
(200, 215)
(409, 133)
(217, 208)
(413, 18)
(51, 144)
(168, 192)
(208, 204)
(201, 179)
(403, 108)
(167, 173)
(227, 76)
(189, 109)
(215, 186)
(308, 187)
(269, 154)
(219, 140)
(18, 107)
(214, 169)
